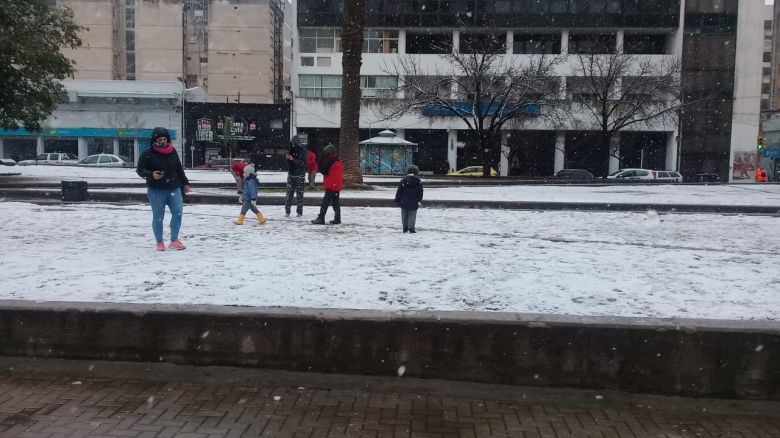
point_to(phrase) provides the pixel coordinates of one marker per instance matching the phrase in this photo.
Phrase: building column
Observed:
(83, 152)
(402, 42)
(671, 151)
(2, 150)
(510, 42)
(455, 40)
(116, 146)
(452, 149)
(565, 42)
(614, 153)
(136, 152)
(560, 152)
(39, 146)
(503, 165)
(619, 38)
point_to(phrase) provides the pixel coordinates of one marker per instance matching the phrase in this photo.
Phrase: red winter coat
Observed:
(334, 179)
(311, 162)
(238, 167)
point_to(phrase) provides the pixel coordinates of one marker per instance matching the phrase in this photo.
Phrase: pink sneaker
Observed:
(176, 244)
(160, 246)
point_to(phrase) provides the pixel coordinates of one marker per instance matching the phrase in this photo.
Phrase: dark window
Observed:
(482, 43)
(537, 44)
(764, 88)
(425, 43)
(592, 43)
(644, 44)
(767, 24)
(130, 40)
(767, 71)
(767, 56)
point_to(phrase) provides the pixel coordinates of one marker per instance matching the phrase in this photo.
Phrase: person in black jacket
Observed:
(296, 160)
(166, 183)
(408, 197)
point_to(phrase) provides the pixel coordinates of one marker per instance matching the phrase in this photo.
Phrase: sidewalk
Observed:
(53, 398)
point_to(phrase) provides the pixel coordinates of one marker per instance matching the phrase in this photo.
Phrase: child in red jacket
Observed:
(331, 168)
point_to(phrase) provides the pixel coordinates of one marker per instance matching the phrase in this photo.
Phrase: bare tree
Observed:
(352, 43)
(488, 91)
(616, 91)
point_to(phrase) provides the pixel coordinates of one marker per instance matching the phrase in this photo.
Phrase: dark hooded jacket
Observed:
(152, 159)
(409, 193)
(297, 166)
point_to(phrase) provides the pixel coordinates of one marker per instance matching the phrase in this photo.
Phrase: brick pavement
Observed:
(52, 401)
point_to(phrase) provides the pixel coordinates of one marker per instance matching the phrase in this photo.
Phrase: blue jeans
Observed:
(158, 199)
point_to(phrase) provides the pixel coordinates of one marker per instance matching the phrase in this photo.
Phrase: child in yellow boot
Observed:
(249, 197)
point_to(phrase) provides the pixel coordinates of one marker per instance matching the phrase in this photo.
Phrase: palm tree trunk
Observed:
(352, 44)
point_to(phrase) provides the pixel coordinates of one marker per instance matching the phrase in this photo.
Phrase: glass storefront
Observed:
(100, 145)
(67, 145)
(20, 148)
(127, 148)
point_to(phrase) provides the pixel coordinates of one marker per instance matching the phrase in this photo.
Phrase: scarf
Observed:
(167, 149)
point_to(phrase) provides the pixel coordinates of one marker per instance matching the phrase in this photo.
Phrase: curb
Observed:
(118, 196)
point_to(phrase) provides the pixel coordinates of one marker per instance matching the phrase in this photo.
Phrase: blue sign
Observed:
(465, 109)
(773, 152)
(84, 132)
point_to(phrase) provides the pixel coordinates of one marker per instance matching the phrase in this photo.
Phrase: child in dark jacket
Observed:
(249, 196)
(408, 197)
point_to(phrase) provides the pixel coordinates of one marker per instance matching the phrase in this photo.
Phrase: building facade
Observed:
(115, 117)
(717, 42)
(231, 49)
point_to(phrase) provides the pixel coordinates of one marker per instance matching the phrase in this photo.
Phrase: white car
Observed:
(106, 160)
(648, 175)
(51, 158)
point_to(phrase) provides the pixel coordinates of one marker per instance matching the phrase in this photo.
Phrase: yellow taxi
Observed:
(472, 171)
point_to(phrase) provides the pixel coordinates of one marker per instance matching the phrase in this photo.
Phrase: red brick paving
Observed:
(54, 406)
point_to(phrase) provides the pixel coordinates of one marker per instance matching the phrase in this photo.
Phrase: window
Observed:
(380, 41)
(104, 159)
(100, 146)
(90, 160)
(767, 24)
(482, 43)
(537, 44)
(319, 40)
(127, 148)
(42, 157)
(325, 86)
(767, 56)
(307, 61)
(644, 44)
(323, 61)
(20, 148)
(382, 87)
(592, 43)
(427, 43)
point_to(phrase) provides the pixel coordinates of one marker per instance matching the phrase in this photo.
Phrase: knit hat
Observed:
(249, 170)
(295, 141)
(413, 170)
(160, 132)
(329, 150)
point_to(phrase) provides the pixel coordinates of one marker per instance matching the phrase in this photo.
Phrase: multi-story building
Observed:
(231, 49)
(718, 42)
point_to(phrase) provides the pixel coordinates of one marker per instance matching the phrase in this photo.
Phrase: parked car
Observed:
(706, 177)
(106, 160)
(573, 174)
(632, 174)
(668, 176)
(52, 158)
(472, 171)
(7, 162)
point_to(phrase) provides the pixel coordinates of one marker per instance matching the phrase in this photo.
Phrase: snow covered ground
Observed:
(625, 264)
(734, 194)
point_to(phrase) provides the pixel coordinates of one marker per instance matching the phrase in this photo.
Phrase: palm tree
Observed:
(352, 44)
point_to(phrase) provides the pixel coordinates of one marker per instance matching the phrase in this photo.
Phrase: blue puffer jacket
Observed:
(250, 188)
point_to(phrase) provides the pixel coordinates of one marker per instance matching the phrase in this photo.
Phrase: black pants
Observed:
(294, 186)
(330, 198)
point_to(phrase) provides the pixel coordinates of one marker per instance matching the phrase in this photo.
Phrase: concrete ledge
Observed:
(316, 198)
(725, 359)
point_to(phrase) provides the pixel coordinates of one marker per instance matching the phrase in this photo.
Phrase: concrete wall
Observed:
(94, 59)
(683, 357)
(158, 40)
(240, 57)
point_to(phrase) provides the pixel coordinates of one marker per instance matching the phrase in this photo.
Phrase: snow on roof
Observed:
(106, 88)
(387, 137)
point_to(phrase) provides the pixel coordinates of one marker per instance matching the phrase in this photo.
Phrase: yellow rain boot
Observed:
(240, 220)
(260, 218)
